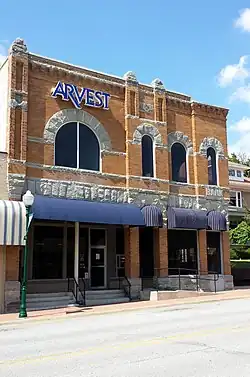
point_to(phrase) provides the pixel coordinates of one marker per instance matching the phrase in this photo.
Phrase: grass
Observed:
(240, 263)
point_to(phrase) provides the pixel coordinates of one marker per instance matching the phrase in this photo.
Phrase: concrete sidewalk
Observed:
(46, 315)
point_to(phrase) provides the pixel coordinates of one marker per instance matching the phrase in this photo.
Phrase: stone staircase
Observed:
(43, 301)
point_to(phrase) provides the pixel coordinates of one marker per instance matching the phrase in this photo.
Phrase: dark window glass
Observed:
(232, 173)
(211, 163)
(70, 251)
(119, 240)
(89, 150)
(213, 252)
(239, 175)
(97, 237)
(66, 146)
(179, 167)
(48, 252)
(147, 156)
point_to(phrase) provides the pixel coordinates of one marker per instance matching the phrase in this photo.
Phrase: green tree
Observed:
(240, 240)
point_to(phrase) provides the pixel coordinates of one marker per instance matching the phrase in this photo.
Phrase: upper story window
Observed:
(211, 164)
(147, 156)
(76, 146)
(179, 163)
(231, 173)
(235, 199)
(239, 174)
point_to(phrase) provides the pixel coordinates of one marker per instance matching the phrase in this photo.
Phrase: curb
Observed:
(157, 304)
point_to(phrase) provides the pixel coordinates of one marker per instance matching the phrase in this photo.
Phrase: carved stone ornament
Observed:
(157, 84)
(179, 137)
(18, 46)
(130, 77)
(212, 142)
(74, 115)
(23, 105)
(146, 107)
(147, 129)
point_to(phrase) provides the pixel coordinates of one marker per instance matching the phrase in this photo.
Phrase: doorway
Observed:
(98, 258)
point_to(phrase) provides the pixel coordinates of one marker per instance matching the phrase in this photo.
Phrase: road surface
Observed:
(207, 339)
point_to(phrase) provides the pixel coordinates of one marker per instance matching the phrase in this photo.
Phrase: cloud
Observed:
(241, 94)
(234, 72)
(243, 22)
(3, 54)
(242, 127)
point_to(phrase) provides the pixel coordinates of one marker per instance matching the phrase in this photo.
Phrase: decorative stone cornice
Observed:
(179, 137)
(147, 129)
(74, 115)
(208, 110)
(18, 47)
(130, 78)
(158, 85)
(178, 104)
(212, 142)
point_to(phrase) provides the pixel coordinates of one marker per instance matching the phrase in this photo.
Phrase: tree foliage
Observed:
(240, 240)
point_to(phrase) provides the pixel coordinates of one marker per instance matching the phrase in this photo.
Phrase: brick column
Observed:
(226, 253)
(202, 247)
(2, 278)
(12, 285)
(161, 258)
(132, 260)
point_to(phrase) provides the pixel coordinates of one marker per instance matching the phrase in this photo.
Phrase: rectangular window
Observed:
(120, 265)
(235, 199)
(231, 173)
(239, 174)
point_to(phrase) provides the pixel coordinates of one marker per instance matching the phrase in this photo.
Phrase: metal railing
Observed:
(120, 282)
(180, 274)
(78, 293)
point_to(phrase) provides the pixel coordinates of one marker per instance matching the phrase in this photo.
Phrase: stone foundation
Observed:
(12, 296)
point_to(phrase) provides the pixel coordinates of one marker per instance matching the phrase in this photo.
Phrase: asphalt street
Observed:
(207, 339)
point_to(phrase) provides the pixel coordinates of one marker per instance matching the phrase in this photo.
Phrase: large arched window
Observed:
(179, 163)
(147, 156)
(76, 146)
(211, 164)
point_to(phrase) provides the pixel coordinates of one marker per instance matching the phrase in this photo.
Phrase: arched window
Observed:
(76, 146)
(211, 165)
(147, 156)
(179, 163)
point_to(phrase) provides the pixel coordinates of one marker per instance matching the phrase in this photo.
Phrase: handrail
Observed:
(129, 288)
(76, 288)
(197, 273)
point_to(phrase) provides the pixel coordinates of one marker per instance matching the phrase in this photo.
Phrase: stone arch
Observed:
(74, 115)
(212, 142)
(147, 129)
(179, 137)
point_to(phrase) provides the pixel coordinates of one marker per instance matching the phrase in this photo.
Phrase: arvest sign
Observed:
(89, 97)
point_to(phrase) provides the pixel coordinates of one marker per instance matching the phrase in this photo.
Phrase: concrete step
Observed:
(108, 301)
(34, 298)
(104, 294)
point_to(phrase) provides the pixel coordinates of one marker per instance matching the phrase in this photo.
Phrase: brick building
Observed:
(130, 180)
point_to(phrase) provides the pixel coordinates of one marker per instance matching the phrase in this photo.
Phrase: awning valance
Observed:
(12, 222)
(186, 218)
(152, 216)
(216, 221)
(47, 208)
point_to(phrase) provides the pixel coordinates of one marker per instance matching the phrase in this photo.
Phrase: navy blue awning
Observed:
(186, 218)
(152, 215)
(47, 208)
(216, 221)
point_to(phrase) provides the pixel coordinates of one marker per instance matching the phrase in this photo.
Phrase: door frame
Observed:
(103, 247)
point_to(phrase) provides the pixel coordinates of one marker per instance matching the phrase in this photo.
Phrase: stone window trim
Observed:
(74, 115)
(212, 142)
(149, 130)
(179, 137)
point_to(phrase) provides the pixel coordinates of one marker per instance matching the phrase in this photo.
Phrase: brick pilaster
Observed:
(202, 243)
(132, 255)
(161, 252)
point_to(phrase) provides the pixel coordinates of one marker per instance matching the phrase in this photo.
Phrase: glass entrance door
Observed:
(97, 267)
(98, 258)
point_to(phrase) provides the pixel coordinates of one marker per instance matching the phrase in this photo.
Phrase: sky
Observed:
(195, 47)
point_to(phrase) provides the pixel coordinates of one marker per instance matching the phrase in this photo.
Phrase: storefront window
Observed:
(213, 252)
(48, 252)
(182, 252)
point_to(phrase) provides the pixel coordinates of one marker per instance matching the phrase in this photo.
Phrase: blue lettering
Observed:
(90, 97)
(70, 89)
(98, 97)
(59, 90)
(80, 96)
(106, 98)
